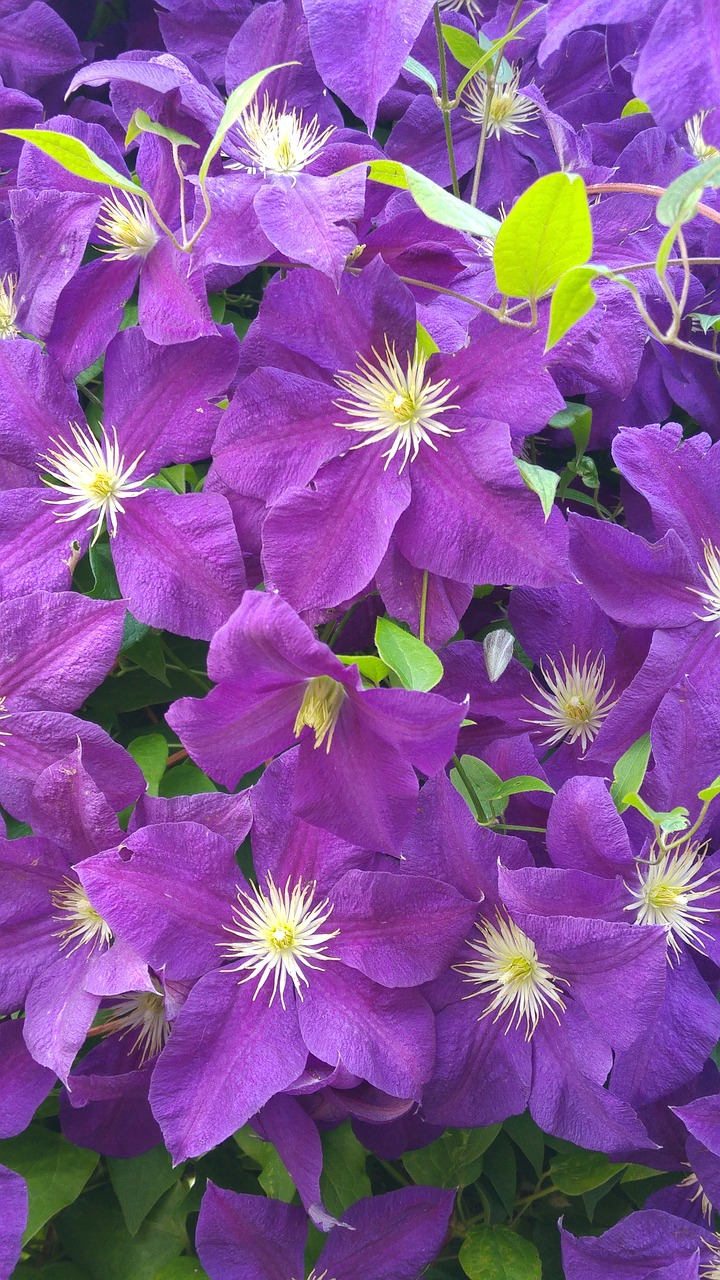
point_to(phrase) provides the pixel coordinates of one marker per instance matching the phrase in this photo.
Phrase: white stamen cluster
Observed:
(8, 309)
(93, 477)
(509, 110)
(510, 971)
(125, 225)
(711, 577)
(710, 1268)
(81, 924)
(320, 708)
(701, 149)
(669, 889)
(573, 705)
(278, 936)
(389, 402)
(692, 1183)
(276, 140)
(142, 1012)
(472, 8)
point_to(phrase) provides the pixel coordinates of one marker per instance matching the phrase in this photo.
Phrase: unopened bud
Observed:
(498, 649)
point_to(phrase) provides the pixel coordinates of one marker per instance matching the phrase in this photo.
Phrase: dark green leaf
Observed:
(581, 1171)
(529, 1138)
(94, 1234)
(500, 1168)
(453, 1160)
(55, 1171)
(139, 1183)
(185, 779)
(344, 1177)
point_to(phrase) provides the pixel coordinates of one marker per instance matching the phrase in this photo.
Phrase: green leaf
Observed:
(103, 571)
(140, 1181)
(55, 1171)
(541, 481)
(576, 418)
(436, 203)
(148, 654)
(500, 1168)
(463, 47)
(239, 99)
(75, 157)
(416, 68)
(496, 1253)
(678, 204)
(141, 122)
(630, 771)
(367, 664)
(706, 322)
(424, 341)
(574, 296)
(185, 779)
(634, 107)
(670, 820)
(54, 1271)
(150, 752)
(344, 1177)
(412, 661)
(453, 1160)
(522, 783)
(527, 1135)
(709, 793)
(547, 231)
(576, 1172)
(94, 1234)
(273, 1177)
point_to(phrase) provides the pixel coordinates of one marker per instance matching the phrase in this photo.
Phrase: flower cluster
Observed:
(359, 639)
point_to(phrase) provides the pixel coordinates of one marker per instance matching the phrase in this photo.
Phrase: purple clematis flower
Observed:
(534, 1003)
(172, 299)
(14, 1197)
(674, 889)
(37, 49)
(276, 684)
(351, 434)
(323, 956)
(671, 582)
(392, 1237)
(54, 650)
(176, 555)
(55, 946)
(648, 1245)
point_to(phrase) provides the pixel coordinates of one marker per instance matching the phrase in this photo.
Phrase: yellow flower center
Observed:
(320, 708)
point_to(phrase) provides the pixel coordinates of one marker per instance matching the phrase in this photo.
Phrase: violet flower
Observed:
(392, 1237)
(358, 747)
(176, 555)
(323, 956)
(14, 1196)
(647, 1245)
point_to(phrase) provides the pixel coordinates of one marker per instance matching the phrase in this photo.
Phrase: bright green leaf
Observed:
(344, 1177)
(705, 322)
(453, 1160)
(634, 107)
(374, 669)
(239, 99)
(75, 157)
(463, 47)
(435, 202)
(574, 296)
(523, 783)
(150, 752)
(140, 1181)
(670, 820)
(416, 68)
(678, 204)
(273, 1177)
(581, 1171)
(424, 341)
(630, 770)
(412, 661)
(55, 1171)
(496, 1253)
(185, 779)
(541, 481)
(547, 232)
(709, 793)
(141, 122)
